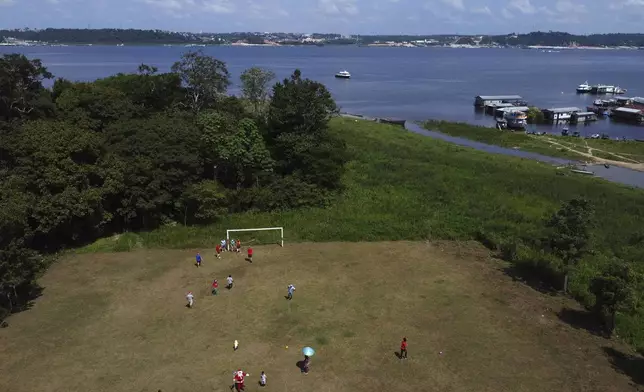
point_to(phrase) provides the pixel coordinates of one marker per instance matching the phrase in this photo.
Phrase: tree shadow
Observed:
(581, 319)
(630, 365)
(27, 296)
(528, 277)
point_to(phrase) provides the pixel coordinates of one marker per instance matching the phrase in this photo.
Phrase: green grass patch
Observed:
(403, 186)
(627, 151)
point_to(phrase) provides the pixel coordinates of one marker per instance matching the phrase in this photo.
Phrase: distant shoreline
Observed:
(455, 46)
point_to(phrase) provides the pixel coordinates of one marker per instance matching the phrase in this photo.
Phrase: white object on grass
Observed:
(308, 351)
(281, 230)
(236, 344)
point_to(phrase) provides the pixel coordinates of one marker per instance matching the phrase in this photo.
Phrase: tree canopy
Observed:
(139, 150)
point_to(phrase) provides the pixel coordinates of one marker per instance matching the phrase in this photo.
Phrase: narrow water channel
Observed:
(614, 173)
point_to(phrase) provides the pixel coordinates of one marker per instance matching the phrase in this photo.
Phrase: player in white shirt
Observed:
(262, 379)
(190, 298)
(229, 279)
(223, 245)
(291, 289)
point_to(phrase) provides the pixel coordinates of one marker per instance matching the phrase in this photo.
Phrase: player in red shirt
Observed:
(403, 349)
(250, 254)
(218, 250)
(238, 243)
(238, 380)
(215, 287)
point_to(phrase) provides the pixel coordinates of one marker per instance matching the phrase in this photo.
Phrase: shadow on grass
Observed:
(630, 365)
(530, 278)
(27, 296)
(397, 354)
(581, 319)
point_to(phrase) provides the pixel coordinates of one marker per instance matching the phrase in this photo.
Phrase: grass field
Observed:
(403, 186)
(118, 322)
(631, 152)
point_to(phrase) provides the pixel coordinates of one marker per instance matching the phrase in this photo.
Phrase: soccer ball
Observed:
(247, 374)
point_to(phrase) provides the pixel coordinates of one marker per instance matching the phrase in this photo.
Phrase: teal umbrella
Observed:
(308, 351)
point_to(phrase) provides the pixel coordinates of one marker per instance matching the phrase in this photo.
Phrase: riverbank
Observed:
(626, 154)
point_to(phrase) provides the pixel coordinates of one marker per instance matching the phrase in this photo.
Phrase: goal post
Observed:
(280, 229)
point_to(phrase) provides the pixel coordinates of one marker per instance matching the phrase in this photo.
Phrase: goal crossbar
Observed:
(281, 229)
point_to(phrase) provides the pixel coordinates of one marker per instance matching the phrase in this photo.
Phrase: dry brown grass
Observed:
(117, 322)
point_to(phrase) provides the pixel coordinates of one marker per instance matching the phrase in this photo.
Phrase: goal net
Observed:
(256, 236)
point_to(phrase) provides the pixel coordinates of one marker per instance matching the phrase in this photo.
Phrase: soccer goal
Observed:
(260, 235)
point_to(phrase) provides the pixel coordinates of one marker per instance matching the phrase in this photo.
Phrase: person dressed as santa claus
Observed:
(238, 380)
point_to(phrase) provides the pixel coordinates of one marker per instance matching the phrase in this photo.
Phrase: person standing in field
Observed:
(223, 245)
(215, 287)
(403, 349)
(190, 298)
(238, 380)
(305, 364)
(262, 379)
(218, 251)
(250, 254)
(198, 258)
(238, 244)
(291, 289)
(229, 279)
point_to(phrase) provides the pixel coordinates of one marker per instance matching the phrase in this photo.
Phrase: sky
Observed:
(332, 16)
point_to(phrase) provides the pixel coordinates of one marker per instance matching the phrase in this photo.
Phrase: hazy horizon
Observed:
(355, 17)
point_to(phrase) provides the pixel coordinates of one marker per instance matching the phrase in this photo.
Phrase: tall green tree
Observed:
(256, 86)
(570, 234)
(205, 79)
(236, 148)
(615, 290)
(22, 94)
(297, 130)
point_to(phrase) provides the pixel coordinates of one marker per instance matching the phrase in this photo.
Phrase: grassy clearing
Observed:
(117, 322)
(403, 186)
(624, 151)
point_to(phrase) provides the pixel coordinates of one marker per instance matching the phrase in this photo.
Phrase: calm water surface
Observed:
(410, 83)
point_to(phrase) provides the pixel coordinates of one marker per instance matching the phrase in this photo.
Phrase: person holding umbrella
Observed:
(308, 353)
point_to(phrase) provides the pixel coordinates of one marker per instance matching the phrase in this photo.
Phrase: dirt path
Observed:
(633, 164)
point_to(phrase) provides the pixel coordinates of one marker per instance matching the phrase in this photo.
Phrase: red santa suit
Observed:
(238, 379)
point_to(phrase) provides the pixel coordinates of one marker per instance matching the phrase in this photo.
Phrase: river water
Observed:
(411, 83)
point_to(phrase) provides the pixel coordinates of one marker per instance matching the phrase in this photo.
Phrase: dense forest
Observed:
(137, 151)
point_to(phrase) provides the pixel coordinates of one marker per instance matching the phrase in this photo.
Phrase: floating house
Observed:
(556, 115)
(582, 117)
(483, 100)
(636, 102)
(501, 112)
(491, 108)
(628, 114)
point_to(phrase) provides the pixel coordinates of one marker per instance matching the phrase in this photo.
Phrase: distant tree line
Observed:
(553, 38)
(140, 150)
(133, 36)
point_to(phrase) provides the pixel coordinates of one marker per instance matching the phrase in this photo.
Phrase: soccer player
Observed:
(305, 364)
(218, 250)
(262, 379)
(215, 287)
(229, 279)
(223, 245)
(190, 298)
(250, 254)
(238, 380)
(238, 243)
(198, 257)
(291, 289)
(403, 349)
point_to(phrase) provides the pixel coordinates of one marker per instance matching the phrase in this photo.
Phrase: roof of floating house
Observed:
(563, 110)
(499, 97)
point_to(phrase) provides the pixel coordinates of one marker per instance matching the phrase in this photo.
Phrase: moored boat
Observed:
(343, 75)
(584, 87)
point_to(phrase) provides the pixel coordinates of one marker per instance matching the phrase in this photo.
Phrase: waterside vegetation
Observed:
(628, 152)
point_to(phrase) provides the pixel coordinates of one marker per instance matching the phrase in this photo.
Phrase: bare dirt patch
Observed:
(118, 322)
